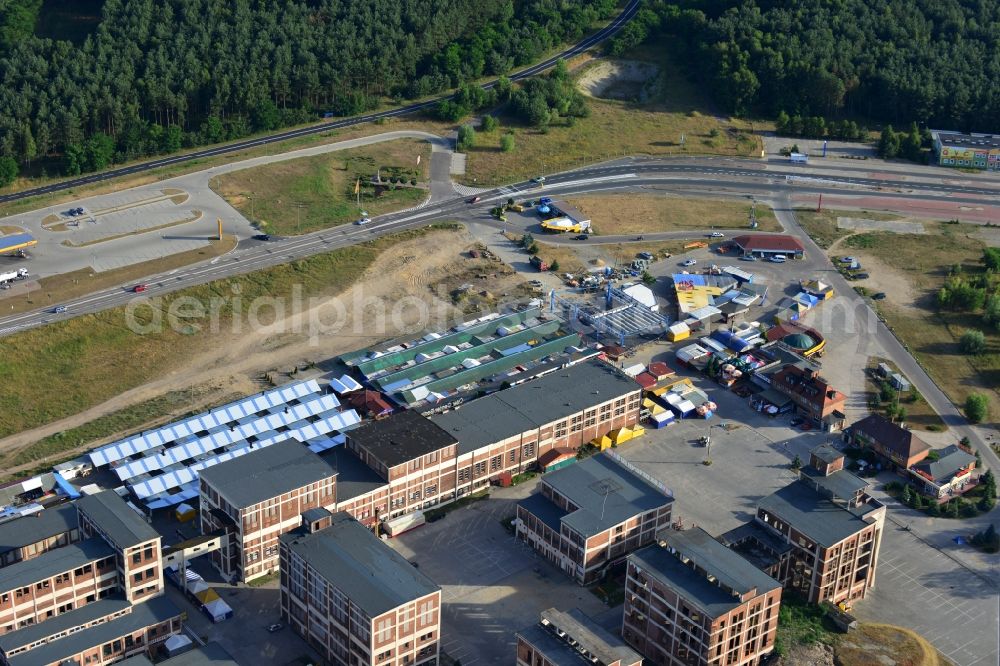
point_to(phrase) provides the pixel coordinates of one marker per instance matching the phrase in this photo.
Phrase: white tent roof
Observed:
(634, 370)
(642, 294)
(176, 642)
(218, 608)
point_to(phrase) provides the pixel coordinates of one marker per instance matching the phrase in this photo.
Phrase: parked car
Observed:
(878, 296)
(748, 257)
(475, 200)
(861, 276)
(139, 288)
(581, 237)
(717, 234)
(777, 259)
(848, 260)
(277, 626)
(262, 237)
(689, 262)
(545, 201)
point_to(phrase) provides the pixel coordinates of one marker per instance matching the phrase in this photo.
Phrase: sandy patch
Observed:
(897, 286)
(9, 229)
(894, 226)
(618, 79)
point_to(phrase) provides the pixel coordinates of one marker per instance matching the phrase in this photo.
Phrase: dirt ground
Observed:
(395, 296)
(617, 79)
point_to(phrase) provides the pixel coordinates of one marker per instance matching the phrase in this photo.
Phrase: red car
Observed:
(139, 288)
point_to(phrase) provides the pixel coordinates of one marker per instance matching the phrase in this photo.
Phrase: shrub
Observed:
(972, 342)
(490, 123)
(466, 137)
(507, 143)
(976, 407)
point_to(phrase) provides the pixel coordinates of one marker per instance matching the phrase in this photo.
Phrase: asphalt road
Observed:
(624, 17)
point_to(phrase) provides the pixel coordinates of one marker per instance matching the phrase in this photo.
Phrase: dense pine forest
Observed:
(154, 76)
(935, 62)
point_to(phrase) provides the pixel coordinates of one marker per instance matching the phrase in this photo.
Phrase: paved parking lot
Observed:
(491, 584)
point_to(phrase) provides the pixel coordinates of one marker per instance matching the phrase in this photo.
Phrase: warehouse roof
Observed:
(606, 493)
(354, 478)
(585, 634)
(769, 243)
(694, 587)
(210, 654)
(117, 519)
(154, 611)
(50, 563)
(400, 438)
(534, 403)
(267, 473)
(62, 622)
(370, 573)
(38, 526)
(812, 514)
(727, 567)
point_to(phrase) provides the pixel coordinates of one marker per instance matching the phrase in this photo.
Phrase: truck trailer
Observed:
(11, 276)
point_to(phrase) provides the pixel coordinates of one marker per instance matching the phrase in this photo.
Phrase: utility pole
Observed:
(298, 219)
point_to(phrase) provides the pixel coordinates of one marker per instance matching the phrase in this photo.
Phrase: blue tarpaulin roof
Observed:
(65, 486)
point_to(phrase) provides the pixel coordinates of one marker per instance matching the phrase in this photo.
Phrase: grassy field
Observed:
(649, 213)
(93, 358)
(311, 193)
(54, 448)
(676, 108)
(912, 268)
(822, 226)
(919, 415)
(66, 286)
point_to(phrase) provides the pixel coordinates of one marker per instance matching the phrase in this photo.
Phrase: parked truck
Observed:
(537, 262)
(10, 276)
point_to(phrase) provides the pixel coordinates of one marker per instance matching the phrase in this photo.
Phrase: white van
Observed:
(777, 259)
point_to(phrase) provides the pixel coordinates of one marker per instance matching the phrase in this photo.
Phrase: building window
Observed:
(512, 457)
(529, 450)
(480, 468)
(496, 462)
(430, 491)
(463, 474)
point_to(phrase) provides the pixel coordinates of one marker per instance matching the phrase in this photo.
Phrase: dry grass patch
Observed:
(650, 213)
(310, 193)
(885, 645)
(9, 229)
(672, 121)
(822, 226)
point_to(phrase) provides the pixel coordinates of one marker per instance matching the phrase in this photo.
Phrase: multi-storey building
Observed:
(414, 455)
(897, 448)
(56, 582)
(137, 546)
(592, 514)
(815, 399)
(820, 536)
(30, 536)
(209, 654)
(258, 497)
(506, 432)
(958, 149)
(690, 601)
(354, 599)
(90, 601)
(571, 639)
(101, 633)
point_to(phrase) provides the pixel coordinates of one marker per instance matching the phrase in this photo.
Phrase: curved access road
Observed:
(587, 43)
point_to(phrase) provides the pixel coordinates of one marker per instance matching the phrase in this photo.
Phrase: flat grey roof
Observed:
(590, 636)
(727, 566)
(951, 461)
(841, 484)
(401, 437)
(661, 564)
(56, 561)
(32, 529)
(120, 521)
(351, 558)
(802, 507)
(827, 453)
(544, 509)
(606, 492)
(266, 473)
(62, 622)
(151, 612)
(534, 403)
(211, 654)
(354, 478)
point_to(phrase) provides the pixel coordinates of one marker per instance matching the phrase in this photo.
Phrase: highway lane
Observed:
(253, 255)
(589, 42)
